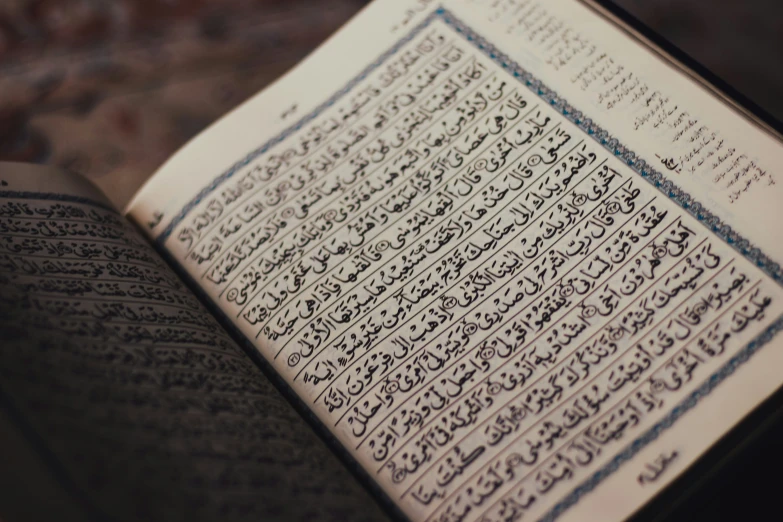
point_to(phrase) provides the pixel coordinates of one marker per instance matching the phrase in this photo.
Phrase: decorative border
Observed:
(646, 171)
(51, 196)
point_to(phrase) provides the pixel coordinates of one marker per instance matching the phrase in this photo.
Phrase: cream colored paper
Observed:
(484, 304)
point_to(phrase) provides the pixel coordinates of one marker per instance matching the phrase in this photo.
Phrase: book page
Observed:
(517, 264)
(135, 400)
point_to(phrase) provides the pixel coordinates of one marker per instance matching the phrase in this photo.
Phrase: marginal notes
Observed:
(624, 89)
(656, 468)
(418, 7)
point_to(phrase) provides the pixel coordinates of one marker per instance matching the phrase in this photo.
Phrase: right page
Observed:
(517, 264)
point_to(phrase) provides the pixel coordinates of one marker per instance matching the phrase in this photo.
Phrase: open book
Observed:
(508, 259)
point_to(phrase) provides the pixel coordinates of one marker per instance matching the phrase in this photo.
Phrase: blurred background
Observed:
(114, 87)
(111, 88)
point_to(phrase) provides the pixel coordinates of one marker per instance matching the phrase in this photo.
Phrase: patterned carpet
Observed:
(112, 88)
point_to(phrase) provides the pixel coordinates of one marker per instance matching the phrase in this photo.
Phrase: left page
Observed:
(516, 262)
(135, 401)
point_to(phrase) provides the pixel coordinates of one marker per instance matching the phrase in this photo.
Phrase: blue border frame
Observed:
(646, 171)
